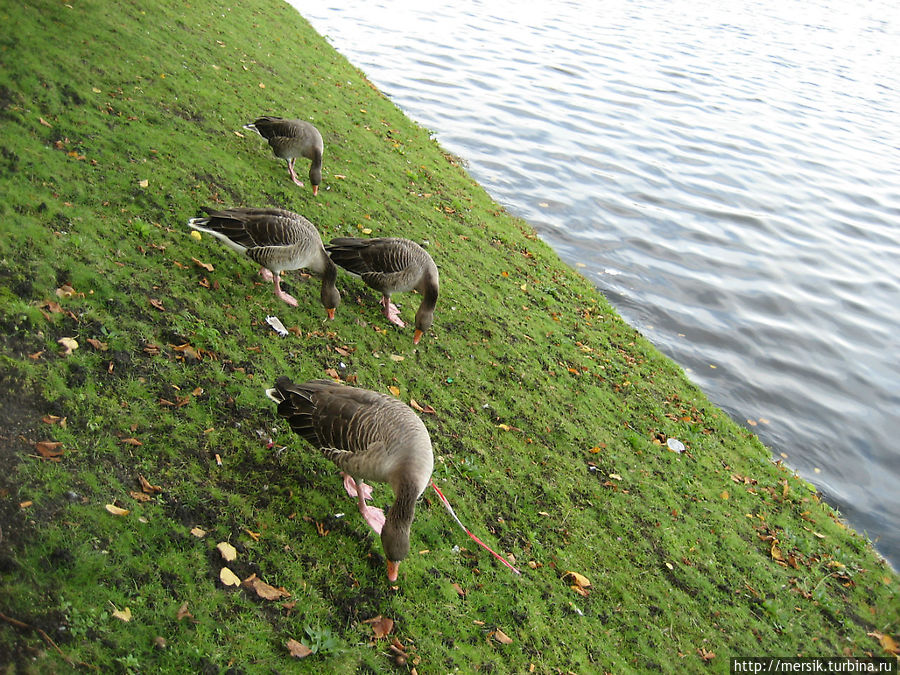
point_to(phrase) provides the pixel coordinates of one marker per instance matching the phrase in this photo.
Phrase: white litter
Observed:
(675, 445)
(276, 324)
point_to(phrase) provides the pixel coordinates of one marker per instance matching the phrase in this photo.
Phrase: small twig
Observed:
(47, 639)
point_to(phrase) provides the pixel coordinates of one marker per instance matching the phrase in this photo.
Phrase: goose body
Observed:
(290, 139)
(391, 265)
(370, 436)
(278, 240)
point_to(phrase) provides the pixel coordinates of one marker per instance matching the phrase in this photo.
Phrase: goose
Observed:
(290, 139)
(391, 265)
(370, 436)
(278, 240)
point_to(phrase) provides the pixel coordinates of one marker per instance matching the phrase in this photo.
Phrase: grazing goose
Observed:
(370, 436)
(290, 139)
(278, 240)
(391, 265)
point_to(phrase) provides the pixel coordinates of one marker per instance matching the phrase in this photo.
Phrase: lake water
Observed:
(726, 173)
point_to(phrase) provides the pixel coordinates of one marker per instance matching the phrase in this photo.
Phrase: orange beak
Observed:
(393, 569)
(417, 336)
(315, 190)
(330, 313)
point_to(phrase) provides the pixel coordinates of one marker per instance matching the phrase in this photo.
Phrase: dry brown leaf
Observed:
(49, 450)
(198, 532)
(183, 612)
(888, 643)
(229, 578)
(123, 614)
(381, 626)
(578, 579)
(147, 487)
(68, 344)
(131, 441)
(188, 351)
(459, 590)
(116, 511)
(50, 419)
(206, 266)
(65, 291)
(264, 590)
(140, 496)
(502, 637)
(45, 122)
(297, 649)
(96, 344)
(333, 374)
(227, 551)
(705, 654)
(52, 306)
(156, 303)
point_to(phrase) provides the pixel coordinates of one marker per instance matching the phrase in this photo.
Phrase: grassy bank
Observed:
(549, 415)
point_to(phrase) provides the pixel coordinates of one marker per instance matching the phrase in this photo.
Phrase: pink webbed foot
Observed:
(294, 175)
(371, 514)
(266, 274)
(392, 312)
(281, 295)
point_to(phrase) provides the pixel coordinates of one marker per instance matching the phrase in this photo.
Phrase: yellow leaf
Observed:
(196, 235)
(144, 183)
(198, 532)
(577, 579)
(69, 345)
(229, 578)
(724, 494)
(505, 427)
(227, 551)
(123, 614)
(394, 390)
(615, 476)
(116, 511)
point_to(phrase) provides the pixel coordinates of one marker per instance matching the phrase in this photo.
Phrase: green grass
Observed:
(551, 414)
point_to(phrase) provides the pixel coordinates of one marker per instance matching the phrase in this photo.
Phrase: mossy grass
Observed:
(551, 415)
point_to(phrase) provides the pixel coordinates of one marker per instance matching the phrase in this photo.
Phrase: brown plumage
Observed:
(391, 265)
(290, 139)
(370, 436)
(278, 240)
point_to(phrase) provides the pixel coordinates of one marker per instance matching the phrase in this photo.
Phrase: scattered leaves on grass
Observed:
(888, 643)
(421, 408)
(297, 649)
(51, 450)
(208, 267)
(706, 655)
(198, 532)
(158, 304)
(500, 637)
(54, 419)
(187, 351)
(140, 496)
(131, 441)
(147, 487)
(381, 626)
(68, 344)
(116, 510)
(96, 344)
(229, 578)
(123, 614)
(580, 583)
(264, 590)
(227, 551)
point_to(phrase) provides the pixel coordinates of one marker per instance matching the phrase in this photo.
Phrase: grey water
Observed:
(726, 173)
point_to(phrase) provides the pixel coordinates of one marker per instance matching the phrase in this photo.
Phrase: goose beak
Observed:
(315, 190)
(417, 336)
(393, 569)
(330, 313)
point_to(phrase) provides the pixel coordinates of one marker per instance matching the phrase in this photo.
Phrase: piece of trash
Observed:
(675, 445)
(276, 324)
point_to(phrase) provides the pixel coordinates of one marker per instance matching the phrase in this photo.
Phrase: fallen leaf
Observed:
(140, 496)
(724, 494)
(156, 303)
(45, 122)
(116, 511)
(459, 590)
(706, 655)
(196, 235)
(69, 345)
(52, 306)
(147, 487)
(505, 427)
(397, 357)
(297, 649)
(144, 183)
(123, 614)
(264, 590)
(229, 578)
(131, 441)
(381, 626)
(394, 390)
(49, 450)
(183, 612)
(65, 291)
(333, 374)
(188, 351)
(577, 579)
(208, 267)
(423, 409)
(96, 344)
(36, 355)
(615, 476)
(227, 551)
(888, 643)
(502, 637)
(198, 532)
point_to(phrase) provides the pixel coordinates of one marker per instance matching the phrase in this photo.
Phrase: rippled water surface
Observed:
(727, 173)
